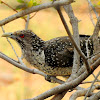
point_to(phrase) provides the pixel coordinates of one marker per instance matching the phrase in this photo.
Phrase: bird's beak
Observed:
(7, 35)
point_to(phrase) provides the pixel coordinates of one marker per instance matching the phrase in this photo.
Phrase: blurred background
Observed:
(16, 84)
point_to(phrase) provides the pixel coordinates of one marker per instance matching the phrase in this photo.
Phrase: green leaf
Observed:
(24, 17)
(94, 5)
(20, 1)
(35, 4)
(30, 3)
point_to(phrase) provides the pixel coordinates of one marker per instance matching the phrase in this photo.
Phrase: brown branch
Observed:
(93, 62)
(59, 96)
(27, 22)
(94, 58)
(72, 40)
(68, 85)
(33, 15)
(91, 85)
(33, 71)
(82, 92)
(74, 23)
(10, 43)
(19, 59)
(89, 82)
(9, 6)
(33, 9)
(90, 4)
(76, 62)
(95, 37)
(96, 96)
(91, 17)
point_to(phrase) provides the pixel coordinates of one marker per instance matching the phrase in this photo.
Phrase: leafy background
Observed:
(16, 84)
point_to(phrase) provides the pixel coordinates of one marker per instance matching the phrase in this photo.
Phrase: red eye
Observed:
(22, 35)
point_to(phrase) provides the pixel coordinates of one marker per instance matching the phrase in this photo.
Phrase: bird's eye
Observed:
(22, 35)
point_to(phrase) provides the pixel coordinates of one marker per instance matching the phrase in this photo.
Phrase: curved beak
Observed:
(7, 34)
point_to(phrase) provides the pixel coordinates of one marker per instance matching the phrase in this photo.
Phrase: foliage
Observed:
(96, 3)
(24, 4)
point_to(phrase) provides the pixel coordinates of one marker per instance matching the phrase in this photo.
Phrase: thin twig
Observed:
(96, 43)
(26, 27)
(27, 22)
(34, 9)
(33, 15)
(89, 82)
(11, 8)
(82, 92)
(87, 51)
(59, 96)
(95, 76)
(93, 8)
(19, 58)
(10, 43)
(73, 42)
(91, 86)
(91, 17)
(95, 96)
(74, 22)
(66, 86)
(33, 71)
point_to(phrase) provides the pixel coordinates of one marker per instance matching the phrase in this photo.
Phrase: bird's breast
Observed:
(35, 58)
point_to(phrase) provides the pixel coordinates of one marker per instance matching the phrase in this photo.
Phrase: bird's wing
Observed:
(59, 52)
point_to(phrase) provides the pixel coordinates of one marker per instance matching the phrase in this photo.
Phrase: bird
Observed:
(53, 57)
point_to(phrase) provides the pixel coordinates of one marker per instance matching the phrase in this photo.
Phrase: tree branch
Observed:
(10, 43)
(82, 92)
(72, 40)
(27, 22)
(68, 85)
(59, 96)
(33, 9)
(96, 43)
(74, 23)
(23, 67)
(96, 96)
(9, 6)
(90, 4)
(76, 61)
(91, 86)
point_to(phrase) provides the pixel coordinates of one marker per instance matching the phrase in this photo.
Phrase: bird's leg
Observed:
(66, 76)
(48, 78)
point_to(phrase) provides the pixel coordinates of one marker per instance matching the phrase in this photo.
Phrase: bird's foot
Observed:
(71, 90)
(48, 78)
(66, 76)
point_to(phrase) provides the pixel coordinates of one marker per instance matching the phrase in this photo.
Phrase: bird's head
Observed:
(25, 38)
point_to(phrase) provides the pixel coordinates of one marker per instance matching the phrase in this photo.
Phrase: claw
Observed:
(48, 78)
